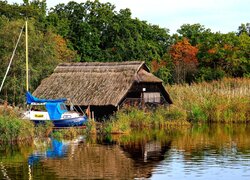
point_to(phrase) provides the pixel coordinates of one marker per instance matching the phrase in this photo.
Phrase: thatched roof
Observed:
(94, 83)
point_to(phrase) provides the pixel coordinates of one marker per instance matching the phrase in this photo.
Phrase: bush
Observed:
(209, 74)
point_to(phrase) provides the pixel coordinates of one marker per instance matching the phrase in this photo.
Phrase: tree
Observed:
(163, 69)
(184, 57)
(244, 28)
(196, 33)
(243, 54)
(62, 52)
(98, 33)
(35, 9)
(46, 50)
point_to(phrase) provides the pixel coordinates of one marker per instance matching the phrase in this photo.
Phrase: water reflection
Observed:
(58, 149)
(200, 152)
(11, 161)
(208, 152)
(145, 156)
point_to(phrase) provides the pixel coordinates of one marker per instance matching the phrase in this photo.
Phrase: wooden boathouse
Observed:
(105, 87)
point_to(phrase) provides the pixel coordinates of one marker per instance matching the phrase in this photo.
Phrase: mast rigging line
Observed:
(11, 59)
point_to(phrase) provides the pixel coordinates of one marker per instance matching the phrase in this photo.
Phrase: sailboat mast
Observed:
(27, 53)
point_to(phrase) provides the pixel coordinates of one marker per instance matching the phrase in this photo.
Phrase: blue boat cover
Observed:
(55, 107)
(55, 110)
(32, 99)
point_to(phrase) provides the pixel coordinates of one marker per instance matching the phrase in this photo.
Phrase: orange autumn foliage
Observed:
(228, 47)
(184, 57)
(184, 52)
(212, 51)
(156, 65)
(63, 53)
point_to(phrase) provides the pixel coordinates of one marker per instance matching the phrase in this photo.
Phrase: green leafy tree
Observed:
(243, 56)
(99, 33)
(196, 33)
(244, 28)
(46, 50)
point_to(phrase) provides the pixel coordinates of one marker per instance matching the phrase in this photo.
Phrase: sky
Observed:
(219, 15)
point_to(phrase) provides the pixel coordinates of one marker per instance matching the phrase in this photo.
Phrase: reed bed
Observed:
(68, 133)
(14, 130)
(44, 130)
(226, 101)
(131, 119)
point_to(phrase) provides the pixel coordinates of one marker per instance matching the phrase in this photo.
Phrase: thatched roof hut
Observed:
(101, 84)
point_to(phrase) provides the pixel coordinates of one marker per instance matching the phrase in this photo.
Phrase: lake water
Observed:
(199, 152)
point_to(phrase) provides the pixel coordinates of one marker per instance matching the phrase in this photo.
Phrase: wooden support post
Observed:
(93, 115)
(88, 112)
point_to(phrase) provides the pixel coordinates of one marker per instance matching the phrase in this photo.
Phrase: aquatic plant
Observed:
(44, 129)
(91, 126)
(120, 123)
(169, 116)
(130, 119)
(67, 133)
(227, 100)
(13, 129)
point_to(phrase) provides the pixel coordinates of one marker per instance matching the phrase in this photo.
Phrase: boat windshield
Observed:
(63, 107)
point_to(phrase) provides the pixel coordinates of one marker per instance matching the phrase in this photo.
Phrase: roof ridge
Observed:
(102, 63)
(100, 67)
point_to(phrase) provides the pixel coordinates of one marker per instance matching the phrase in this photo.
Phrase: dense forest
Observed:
(95, 31)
